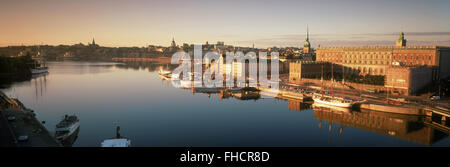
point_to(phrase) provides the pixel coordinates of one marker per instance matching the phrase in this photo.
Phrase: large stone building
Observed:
(407, 80)
(407, 68)
(375, 60)
(309, 69)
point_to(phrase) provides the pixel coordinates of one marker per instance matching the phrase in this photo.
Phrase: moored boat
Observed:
(39, 70)
(67, 127)
(118, 141)
(164, 72)
(333, 101)
(326, 107)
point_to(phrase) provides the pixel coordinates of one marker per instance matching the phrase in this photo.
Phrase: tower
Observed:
(93, 45)
(307, 45)
(173, 45)
(401, 41)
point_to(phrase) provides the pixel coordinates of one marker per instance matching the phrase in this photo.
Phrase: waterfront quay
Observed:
(20, 128)
(397, 104)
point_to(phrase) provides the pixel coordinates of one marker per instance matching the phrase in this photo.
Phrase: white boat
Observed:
(166, 77)
(326, 107)
(118, 141)
(332, 101)
(164, 72)
(67, 127)
(39, 70)
(37, 67)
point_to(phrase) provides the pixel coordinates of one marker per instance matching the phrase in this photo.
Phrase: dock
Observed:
(403, 109)
(16, 121)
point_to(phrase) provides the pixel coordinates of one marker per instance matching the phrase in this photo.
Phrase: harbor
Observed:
(20, 128)
(227, 104)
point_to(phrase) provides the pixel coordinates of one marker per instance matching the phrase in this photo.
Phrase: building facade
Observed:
(311, 69)
(374, 60)
(407, 80)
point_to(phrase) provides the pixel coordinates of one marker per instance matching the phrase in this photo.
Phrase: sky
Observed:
(280, 23)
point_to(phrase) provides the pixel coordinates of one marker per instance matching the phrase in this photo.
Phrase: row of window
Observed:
(366, 70)
(421, 57)
(366, 62)
(416, 57)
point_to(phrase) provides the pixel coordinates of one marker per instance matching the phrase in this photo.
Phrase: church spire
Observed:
(173, 44)
(307, 45)
(401, 41)
(307, 33)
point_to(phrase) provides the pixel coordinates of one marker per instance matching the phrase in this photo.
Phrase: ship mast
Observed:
(343, 94)
(321, 81)
(332, 78)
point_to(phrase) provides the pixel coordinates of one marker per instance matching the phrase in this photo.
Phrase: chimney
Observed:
(118, 132)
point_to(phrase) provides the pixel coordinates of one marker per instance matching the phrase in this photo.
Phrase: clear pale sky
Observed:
(236, 22)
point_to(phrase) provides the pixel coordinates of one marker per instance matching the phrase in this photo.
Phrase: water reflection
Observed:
(70, 141)
(407, 127)
(40, 84)
(157, 114)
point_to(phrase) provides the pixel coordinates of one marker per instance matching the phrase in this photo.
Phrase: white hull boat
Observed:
(39, 70)
(118, 141)
(333, 101)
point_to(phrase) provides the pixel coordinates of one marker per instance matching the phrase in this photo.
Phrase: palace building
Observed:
(375, 60)
(407, 69)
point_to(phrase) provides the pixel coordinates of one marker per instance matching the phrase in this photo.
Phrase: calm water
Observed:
(153, 113)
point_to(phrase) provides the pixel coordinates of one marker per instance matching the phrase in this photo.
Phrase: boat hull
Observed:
(39, 71)
(331, 103)
(64, 133)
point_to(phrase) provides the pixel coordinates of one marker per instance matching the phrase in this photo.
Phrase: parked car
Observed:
(11, 118)
(435, 97)
(22, 138)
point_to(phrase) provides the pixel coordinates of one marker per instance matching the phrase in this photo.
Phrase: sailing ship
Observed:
(332, 100)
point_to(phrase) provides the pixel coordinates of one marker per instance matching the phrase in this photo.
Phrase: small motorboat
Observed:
(118, 141)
